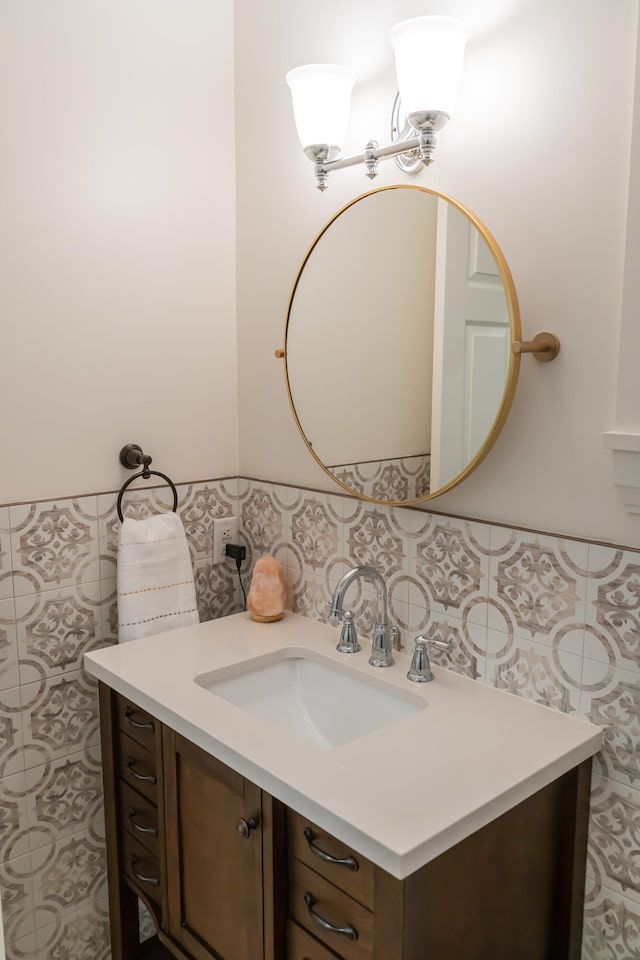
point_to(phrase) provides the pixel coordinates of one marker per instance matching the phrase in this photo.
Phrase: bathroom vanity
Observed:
(455, 828)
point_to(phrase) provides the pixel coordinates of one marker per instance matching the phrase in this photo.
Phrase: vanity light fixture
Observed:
(429, 53)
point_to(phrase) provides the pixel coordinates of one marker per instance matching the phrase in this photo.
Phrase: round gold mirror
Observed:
(398, 338)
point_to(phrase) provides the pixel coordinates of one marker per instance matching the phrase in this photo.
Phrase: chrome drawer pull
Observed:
(136, 826)
(147, 777)
(153, 880)
(147, 725)
(350, 932)
(349, 862)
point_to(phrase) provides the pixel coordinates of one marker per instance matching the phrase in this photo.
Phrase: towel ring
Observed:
(132, 456)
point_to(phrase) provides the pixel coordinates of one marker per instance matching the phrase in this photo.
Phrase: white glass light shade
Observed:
(321, 95)
(429, 58)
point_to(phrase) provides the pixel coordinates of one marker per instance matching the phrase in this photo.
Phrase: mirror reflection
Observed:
(398, 359)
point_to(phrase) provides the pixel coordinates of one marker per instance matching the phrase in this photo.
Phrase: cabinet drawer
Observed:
(141, 867)
(330, 858)
(137, 723)
(341, 923)
(138, 767)
(301, 946)
(139, 816)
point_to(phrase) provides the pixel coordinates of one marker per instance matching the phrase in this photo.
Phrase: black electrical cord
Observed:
(238, 552)
(238, 565)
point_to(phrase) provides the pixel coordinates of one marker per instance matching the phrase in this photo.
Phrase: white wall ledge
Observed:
(626, 466)
(621, 441)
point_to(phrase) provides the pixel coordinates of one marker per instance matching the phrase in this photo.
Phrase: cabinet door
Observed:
(214, 855)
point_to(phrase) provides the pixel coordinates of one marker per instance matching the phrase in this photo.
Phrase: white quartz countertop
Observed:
(400, 795)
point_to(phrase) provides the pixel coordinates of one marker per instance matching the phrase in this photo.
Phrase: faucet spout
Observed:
(367, 573)
(381, 650)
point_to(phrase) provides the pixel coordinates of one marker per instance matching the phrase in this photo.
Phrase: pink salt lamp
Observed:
(268, 593)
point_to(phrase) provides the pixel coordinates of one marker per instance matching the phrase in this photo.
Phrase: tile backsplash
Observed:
(548, 618)
(57, 601)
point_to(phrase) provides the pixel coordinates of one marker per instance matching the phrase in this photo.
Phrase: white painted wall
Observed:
(538, 149)
(117, 242)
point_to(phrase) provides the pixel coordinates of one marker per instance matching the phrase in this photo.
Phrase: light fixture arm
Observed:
(421, 146)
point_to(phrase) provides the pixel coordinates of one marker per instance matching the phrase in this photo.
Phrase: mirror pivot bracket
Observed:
(544, 346)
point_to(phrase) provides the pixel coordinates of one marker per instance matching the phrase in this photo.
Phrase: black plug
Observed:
(236, 552)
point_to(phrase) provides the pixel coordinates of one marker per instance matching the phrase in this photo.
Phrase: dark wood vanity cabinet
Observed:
(231, 874)
(214, 855)
(134, 817)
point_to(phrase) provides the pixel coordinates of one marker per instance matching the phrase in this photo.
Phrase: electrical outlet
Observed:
(225, 530)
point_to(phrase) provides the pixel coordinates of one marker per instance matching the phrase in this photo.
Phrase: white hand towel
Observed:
(155, 577)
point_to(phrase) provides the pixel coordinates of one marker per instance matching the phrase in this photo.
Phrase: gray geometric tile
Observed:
(24, 948)
(535, 672)
(216, 589)
(146, 923)
(14, 822)
(68, 875)
(611, 699)
(11, 732)
(614, 837)
(6, 583)
(611, 927)
(373, 537)
(453, 568)
(315, 532)
(541, 582)
(309, 599)
(262, 520)
(16, 887)
(83, 935)
(9, 673)
(199, 505)
(56, 628)
(399, 480)
(64, 797)
(60, 717)
(109, 610)
(54, 544)
(613, 606)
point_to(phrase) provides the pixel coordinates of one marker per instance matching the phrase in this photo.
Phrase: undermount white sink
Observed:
(316, 703)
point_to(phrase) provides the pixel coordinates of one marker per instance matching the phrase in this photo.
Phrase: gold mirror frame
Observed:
(514, 356)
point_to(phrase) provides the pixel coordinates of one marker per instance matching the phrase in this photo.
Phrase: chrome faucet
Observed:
(385, 637)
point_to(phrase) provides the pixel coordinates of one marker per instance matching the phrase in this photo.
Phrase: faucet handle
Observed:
(348, 642)
(420, 669)
(444, 646)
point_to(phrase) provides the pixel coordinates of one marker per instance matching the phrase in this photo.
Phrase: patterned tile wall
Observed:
(57, 600)
(550, 619)
(405, 478)
(547, 618)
